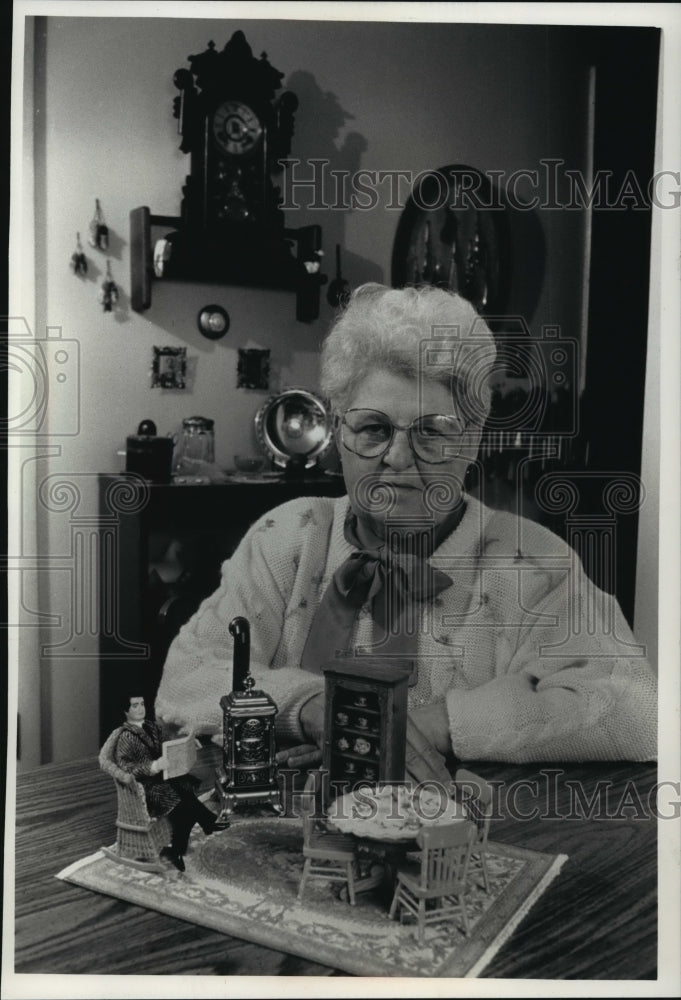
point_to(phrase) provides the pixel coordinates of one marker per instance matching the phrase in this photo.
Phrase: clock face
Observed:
(236, 128)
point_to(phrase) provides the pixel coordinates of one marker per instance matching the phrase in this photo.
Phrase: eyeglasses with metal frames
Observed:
(434, 438)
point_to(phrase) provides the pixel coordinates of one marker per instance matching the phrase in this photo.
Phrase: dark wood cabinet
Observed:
(365, 722)
(162, 548)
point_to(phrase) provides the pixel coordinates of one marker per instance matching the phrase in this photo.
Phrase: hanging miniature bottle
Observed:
(99, 232)
(108, 296)
(78, 259)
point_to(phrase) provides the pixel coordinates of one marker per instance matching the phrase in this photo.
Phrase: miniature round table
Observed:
(386, 820)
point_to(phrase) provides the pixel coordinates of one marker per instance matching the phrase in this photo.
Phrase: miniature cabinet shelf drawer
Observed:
(365, 721)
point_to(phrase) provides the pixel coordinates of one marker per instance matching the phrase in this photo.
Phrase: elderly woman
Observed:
(485, 605)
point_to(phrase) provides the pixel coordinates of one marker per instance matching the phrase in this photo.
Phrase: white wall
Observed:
(377, 96)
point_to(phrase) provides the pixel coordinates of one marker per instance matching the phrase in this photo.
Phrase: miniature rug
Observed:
(244, 882)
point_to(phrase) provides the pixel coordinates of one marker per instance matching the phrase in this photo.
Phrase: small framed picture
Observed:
(169, 368)
(253, 369)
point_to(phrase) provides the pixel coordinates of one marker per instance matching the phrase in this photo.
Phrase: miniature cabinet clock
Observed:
(365, 722)
(248, 773)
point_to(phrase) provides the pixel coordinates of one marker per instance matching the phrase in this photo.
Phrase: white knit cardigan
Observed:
(533, 661)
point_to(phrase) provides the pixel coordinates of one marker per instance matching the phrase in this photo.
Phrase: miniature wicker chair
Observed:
(139, 837)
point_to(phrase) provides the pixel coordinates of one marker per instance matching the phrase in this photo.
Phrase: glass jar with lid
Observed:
(196, 442)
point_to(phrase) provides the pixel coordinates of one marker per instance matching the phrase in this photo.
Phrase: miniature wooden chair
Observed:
(329, 857)
(439, 878)
(139, 837)
(476, 795)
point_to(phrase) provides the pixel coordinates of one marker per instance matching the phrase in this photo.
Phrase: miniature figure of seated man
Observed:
(139, 750)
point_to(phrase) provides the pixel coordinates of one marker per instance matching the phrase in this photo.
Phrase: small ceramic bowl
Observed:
(243, 463)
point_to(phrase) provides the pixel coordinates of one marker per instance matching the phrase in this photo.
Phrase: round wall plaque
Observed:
(213, 322)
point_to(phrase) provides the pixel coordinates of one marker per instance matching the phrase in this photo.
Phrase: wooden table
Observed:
(598, 920)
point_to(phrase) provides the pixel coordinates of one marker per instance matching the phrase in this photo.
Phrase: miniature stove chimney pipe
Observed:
(241, 631)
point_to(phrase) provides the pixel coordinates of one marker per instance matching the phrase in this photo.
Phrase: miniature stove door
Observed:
(365, 730)
(249, 753)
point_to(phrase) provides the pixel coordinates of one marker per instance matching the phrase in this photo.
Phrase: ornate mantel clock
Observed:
(248, 774)
(236, 129)
(232, 229)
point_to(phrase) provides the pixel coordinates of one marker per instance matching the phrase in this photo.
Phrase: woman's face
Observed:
(398, 484)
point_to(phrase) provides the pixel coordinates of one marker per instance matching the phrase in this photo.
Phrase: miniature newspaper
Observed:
(180, 755)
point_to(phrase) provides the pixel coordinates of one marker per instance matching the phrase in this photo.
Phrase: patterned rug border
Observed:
(467, 960)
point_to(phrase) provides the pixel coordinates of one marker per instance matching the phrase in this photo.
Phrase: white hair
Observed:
(390, 329)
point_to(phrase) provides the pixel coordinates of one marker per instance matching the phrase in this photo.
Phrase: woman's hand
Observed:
(427, 742)
(302, 757)
(433, 722)
(307, 755)
(312, 719)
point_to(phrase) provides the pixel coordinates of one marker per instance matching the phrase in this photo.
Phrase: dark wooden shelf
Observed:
(363, 758)
(246, 257)
(356, 709)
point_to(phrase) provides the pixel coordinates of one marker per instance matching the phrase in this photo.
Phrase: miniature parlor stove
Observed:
(248, 773)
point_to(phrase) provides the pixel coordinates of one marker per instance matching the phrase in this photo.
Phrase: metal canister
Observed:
(148, 455)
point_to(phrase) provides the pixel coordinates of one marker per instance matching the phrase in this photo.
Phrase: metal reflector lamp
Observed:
(294, 427)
